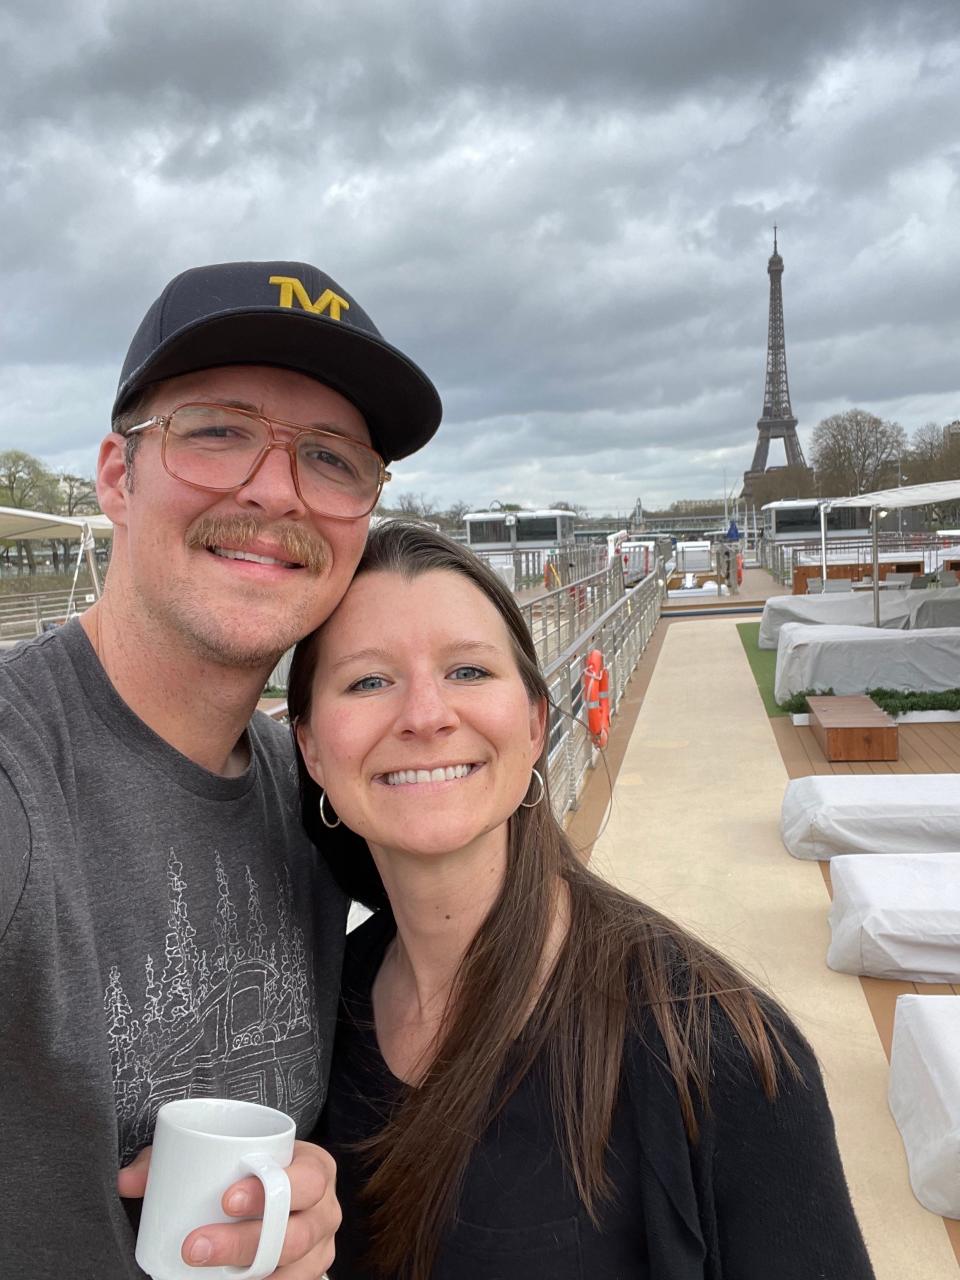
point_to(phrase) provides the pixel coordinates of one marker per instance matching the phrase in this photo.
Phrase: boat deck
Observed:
(693, 828)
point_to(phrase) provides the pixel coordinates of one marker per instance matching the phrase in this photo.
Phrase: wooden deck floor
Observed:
(924, 748)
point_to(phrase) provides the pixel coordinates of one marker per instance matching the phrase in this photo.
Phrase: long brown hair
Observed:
(619, 958)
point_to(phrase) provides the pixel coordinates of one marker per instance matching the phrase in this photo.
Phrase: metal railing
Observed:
(22, 616)
(781, 558)
(621, 633)
(524, 568)
(558, 617)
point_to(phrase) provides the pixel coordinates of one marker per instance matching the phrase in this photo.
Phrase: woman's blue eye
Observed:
(367, 684)
(469, 673)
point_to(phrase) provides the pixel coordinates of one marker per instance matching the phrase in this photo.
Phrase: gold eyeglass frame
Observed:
(162, 420)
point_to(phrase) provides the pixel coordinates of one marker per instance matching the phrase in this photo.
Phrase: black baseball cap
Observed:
(292, 315)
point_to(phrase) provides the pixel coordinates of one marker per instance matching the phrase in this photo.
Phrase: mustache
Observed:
(295, 543)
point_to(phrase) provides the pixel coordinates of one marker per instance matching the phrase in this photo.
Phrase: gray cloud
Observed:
(563, 215)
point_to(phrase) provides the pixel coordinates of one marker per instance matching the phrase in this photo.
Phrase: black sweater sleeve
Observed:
(781, 1203)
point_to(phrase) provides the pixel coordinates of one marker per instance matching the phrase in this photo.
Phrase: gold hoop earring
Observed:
(323, 816)
(532, 804)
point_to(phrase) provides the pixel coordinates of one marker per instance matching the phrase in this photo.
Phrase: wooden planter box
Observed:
(853, 728)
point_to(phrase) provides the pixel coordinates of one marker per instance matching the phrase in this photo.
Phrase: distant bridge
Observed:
(684, 524)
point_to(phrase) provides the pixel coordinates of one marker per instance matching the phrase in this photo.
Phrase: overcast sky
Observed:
(563, 213)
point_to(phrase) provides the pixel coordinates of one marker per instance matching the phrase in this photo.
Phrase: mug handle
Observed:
(276, 1211)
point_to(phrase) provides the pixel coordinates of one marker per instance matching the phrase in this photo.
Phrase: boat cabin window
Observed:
(487, 531)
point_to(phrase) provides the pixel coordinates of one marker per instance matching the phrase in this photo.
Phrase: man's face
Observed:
(170, 537)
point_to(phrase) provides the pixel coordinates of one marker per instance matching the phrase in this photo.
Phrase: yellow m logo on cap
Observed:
(292, 289)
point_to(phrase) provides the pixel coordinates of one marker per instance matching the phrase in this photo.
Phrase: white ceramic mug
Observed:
(201, 1146)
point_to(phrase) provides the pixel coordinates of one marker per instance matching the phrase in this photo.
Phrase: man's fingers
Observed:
(235, 1244)
(312, 1174)
(314, 1218)
(132, 1178)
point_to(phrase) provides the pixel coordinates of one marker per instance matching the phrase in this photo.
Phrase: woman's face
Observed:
(421, 730)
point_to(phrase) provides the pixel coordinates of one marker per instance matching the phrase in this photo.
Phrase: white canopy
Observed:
(913, 495)
(19, 526)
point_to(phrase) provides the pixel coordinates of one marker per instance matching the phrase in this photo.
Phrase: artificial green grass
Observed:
(763, 664)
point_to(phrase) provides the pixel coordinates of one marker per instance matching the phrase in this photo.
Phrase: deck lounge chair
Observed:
(896, 916)
(839, 584)
(829, 814)
(924, 1095)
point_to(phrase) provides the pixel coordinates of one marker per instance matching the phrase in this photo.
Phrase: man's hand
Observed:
(314, 1217)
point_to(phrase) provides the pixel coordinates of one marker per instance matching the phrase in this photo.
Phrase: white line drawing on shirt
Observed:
(238, 1022)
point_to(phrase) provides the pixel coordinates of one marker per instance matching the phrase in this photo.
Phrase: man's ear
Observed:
(112, 490)
(307, 750)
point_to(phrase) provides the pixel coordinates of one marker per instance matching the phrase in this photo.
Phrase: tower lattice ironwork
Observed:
(777, 421)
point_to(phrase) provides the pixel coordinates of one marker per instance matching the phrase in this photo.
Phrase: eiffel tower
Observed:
(777, 421)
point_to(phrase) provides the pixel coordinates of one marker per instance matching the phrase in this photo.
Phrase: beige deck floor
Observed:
(693, 829)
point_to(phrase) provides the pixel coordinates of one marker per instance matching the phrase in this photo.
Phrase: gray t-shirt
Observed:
(164, 932)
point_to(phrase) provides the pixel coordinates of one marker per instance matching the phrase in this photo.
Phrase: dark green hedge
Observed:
(895, 702)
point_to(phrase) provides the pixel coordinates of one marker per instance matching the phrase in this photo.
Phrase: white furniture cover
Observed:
(854, 659)
(846, 608)
(896, 916)
(924, 1097)
(887, 813)
(935, 607)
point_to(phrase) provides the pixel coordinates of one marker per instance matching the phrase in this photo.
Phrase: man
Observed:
(165, 927)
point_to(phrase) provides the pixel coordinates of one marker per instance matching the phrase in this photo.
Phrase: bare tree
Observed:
(26, 483)
(782, 482)
(78, 495)
(457, 510)
(856, 452)
(416, 504)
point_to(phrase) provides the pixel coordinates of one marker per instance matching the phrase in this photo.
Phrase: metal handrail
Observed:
(22, 616)
(621, 633)
(556, 618)
(782, 557)
(531, 566)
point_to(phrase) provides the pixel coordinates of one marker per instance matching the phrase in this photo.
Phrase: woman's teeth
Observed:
(403, 776)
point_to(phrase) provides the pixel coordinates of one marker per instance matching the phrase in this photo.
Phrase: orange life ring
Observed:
(550, 570)
(739, 569)
(596, 695)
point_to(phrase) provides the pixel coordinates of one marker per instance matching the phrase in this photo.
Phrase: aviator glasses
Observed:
(219, 448)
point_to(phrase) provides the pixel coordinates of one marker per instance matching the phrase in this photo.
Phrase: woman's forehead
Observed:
(437, 602)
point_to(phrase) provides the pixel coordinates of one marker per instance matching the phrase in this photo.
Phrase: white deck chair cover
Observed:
(896, 916)
(871, 813)
(854, 659)
(924, 1097)
(934, 607)
(851, 608)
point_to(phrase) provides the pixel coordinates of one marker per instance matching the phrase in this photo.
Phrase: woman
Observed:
(535, 1075)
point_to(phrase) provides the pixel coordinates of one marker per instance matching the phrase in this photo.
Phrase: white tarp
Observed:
(899, 610)
(924, 1097)
(871, 813)
(844, 608)
(896, 916)
(912, 495)
(935, 607)
(20, 526)
(854, 659)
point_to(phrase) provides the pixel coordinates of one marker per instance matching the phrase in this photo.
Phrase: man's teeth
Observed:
(403, 776)
(229, 554)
